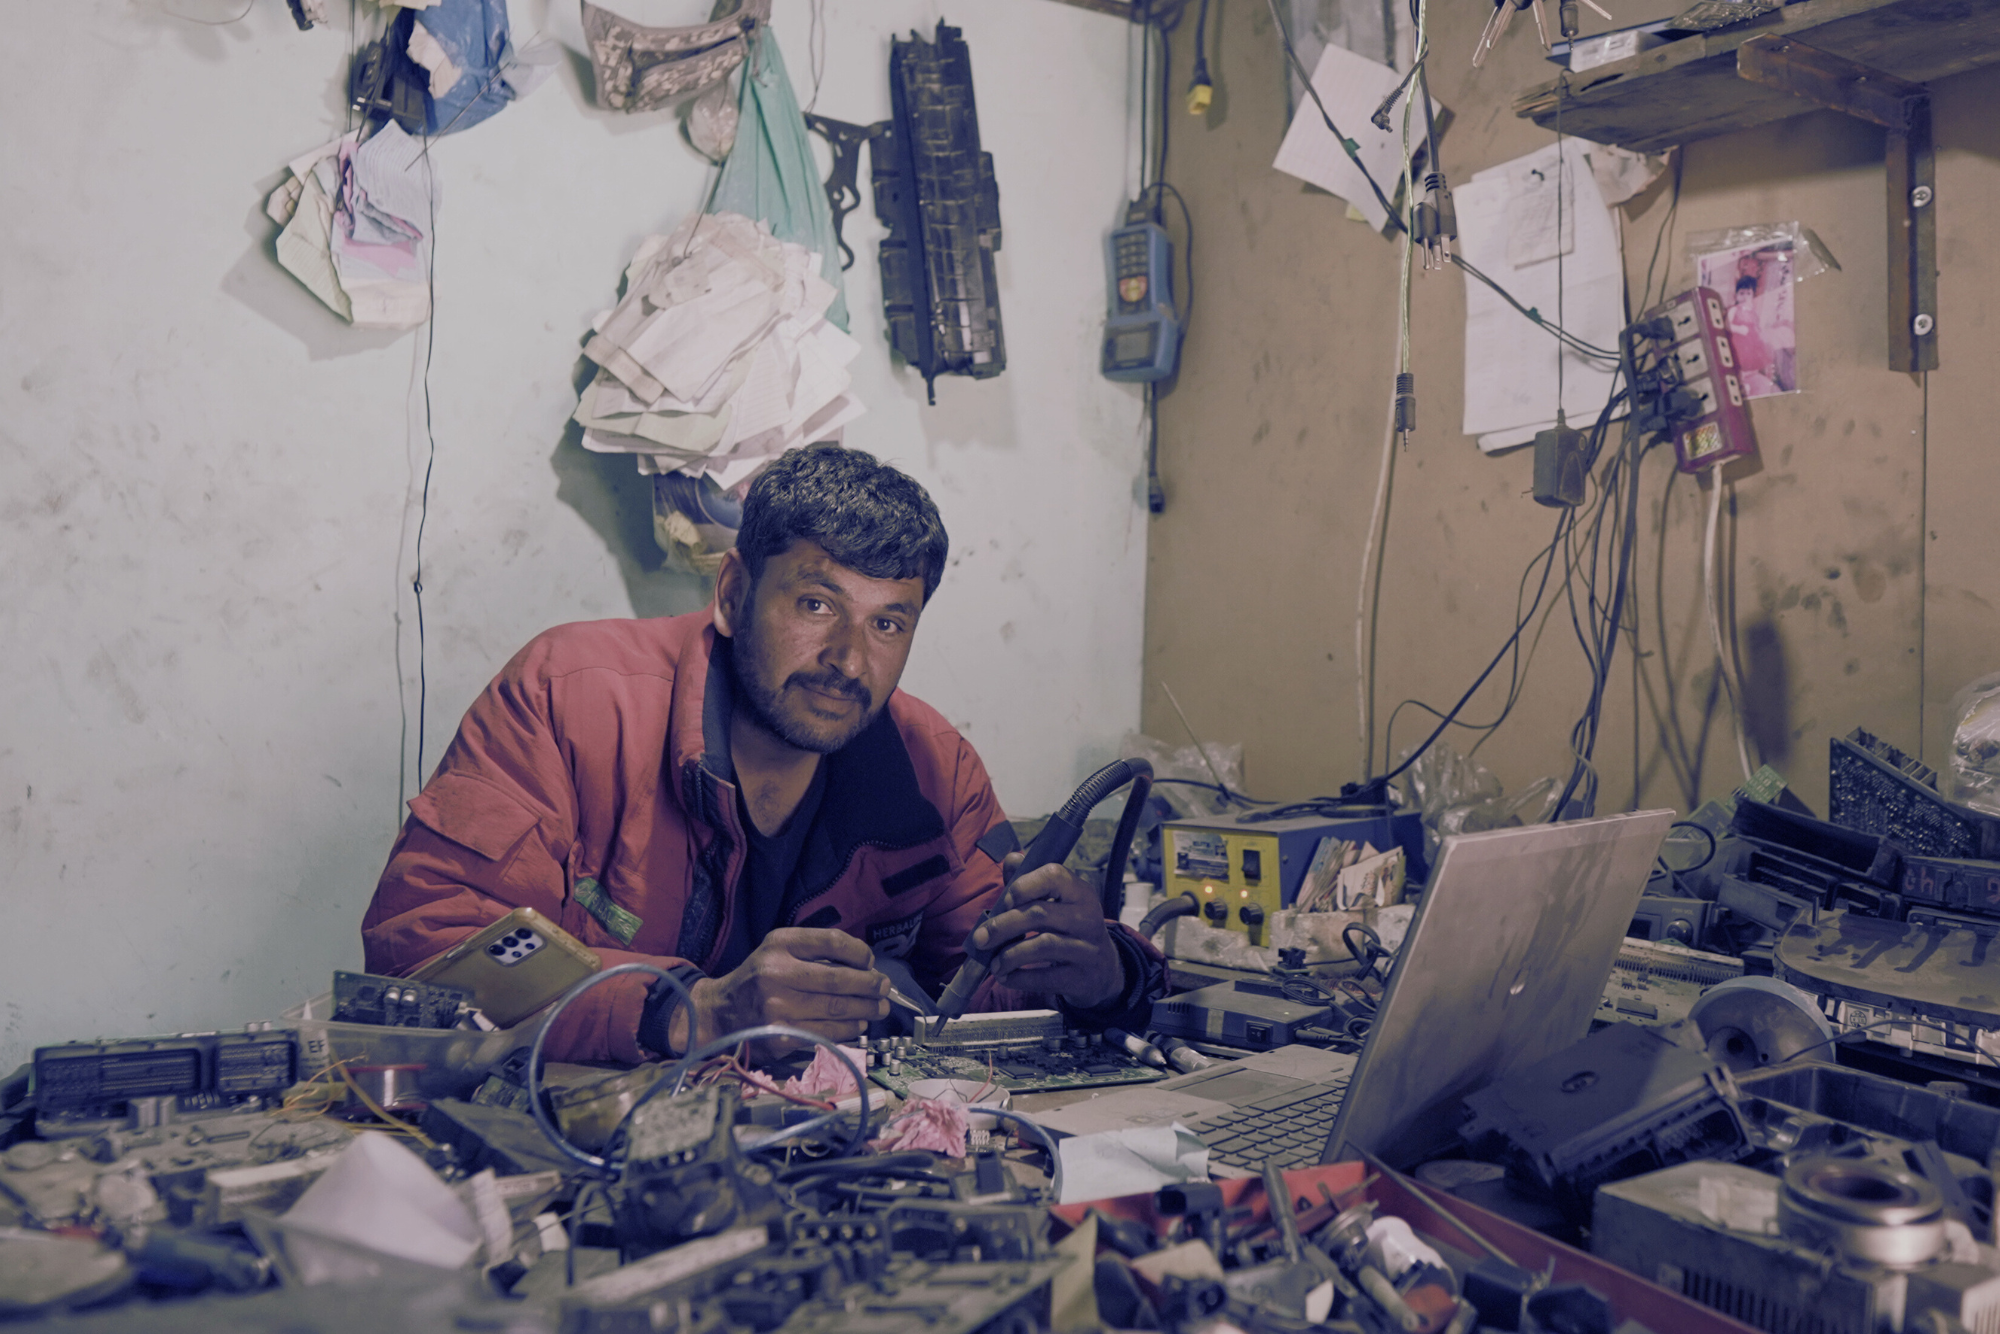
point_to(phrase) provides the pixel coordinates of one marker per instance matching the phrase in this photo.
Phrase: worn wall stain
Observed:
(1870, 582)
(103, 671)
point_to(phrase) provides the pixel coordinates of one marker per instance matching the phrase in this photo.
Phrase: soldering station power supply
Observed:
(1256, 1015)
(1244, 869)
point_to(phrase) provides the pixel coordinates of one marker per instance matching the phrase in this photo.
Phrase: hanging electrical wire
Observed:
(1602, 622)
(1566, 523)
(1597, 544)
(1156, 19)
(1406, 394)
(1347, 145)
(1731, 689)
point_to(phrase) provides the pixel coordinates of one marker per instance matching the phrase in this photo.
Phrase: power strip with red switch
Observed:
(1687, 383)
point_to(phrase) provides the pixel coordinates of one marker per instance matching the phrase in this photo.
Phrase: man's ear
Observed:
(732, 594)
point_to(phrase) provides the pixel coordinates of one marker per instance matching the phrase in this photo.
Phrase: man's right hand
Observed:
(819, 980)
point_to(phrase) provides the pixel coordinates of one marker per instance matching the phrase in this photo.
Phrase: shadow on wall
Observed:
(617, 503)
(967, 412)
(1767, 693)
(264, 285)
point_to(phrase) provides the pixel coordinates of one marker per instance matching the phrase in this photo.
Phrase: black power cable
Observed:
(1604, 629)
(1347, 145)
(1156, 191)
(1565, 524)
(1161, 17)
(1600, 639)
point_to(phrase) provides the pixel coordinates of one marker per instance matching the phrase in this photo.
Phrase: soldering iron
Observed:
(1053, 844)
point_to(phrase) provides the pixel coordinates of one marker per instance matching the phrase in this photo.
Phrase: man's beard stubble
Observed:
(765, 702)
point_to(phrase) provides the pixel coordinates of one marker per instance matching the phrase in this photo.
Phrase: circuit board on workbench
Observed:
(1024, 1069)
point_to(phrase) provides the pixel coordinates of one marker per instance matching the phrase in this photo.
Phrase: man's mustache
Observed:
(832, 683)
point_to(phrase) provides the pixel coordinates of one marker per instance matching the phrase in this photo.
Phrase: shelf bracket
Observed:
(1904, 110)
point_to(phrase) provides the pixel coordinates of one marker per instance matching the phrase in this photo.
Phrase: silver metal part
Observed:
(1007, 1026)
(1968, 1294)
(1749, 1022)
(1376, 1285)
(1703, 1230)
(1866, 1210)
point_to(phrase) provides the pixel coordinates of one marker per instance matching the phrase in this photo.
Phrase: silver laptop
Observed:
(1503, 965)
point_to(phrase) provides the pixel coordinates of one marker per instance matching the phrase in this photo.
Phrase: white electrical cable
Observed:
(1731, 688)
(1412, 90)
(1364, 620)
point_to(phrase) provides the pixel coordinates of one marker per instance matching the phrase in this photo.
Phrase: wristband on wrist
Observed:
(663, 1002)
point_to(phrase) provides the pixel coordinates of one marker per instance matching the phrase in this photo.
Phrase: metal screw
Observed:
(1922, 325)
(1920, 196)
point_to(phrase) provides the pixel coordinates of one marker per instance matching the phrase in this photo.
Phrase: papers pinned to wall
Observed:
(720, 356)
(1352, 87)
(1511, 229)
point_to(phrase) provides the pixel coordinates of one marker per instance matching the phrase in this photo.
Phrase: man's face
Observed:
(817, 647)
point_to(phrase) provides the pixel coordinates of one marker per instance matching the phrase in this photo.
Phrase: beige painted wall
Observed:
(1272, 438)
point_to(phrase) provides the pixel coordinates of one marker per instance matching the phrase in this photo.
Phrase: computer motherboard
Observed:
(1024, 1051)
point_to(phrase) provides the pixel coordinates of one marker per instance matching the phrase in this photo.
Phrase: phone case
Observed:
(513, 967)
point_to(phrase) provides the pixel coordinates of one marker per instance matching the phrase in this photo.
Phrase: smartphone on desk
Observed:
(513, 967)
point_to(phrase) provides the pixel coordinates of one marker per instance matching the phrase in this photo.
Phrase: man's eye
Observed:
(812, 604)
(889, 627)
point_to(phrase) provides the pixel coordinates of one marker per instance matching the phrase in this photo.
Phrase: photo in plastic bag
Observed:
(1755, 284)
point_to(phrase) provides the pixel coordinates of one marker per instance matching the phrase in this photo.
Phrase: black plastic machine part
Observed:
(1053, 844)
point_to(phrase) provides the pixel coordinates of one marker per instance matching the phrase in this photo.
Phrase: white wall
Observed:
(208, 481)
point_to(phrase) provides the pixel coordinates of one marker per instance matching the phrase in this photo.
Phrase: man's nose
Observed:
(844, 651)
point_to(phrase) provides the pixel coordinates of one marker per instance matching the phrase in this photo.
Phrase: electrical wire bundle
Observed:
(1593, 542)
(702, 1060)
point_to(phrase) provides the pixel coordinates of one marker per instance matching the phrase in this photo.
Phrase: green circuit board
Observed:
(1024, 1069)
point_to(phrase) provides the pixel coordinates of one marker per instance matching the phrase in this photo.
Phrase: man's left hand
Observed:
(1060, 944)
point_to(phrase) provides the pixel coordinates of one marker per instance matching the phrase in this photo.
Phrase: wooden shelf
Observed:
(1690, 89)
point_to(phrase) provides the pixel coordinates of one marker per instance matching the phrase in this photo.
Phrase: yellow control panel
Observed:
(1237, 875)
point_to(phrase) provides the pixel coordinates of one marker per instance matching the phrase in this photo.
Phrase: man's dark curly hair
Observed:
(867, 515)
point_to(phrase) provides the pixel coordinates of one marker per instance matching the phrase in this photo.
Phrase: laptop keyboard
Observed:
(1289, 1128)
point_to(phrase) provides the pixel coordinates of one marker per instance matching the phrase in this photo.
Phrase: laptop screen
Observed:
(1503, 965)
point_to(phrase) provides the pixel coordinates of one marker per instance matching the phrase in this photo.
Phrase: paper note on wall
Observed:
(1352, 87)
(1511, 366)
(1541, 214)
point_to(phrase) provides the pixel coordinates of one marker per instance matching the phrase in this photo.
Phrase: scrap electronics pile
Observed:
(388, 1156)
(198, 1183)
(381, 1163)
(1718, 1149)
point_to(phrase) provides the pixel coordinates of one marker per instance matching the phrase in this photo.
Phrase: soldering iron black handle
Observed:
(1060, 834)
(1052, 845)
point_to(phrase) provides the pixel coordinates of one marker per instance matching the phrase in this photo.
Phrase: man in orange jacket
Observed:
(744, 797)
